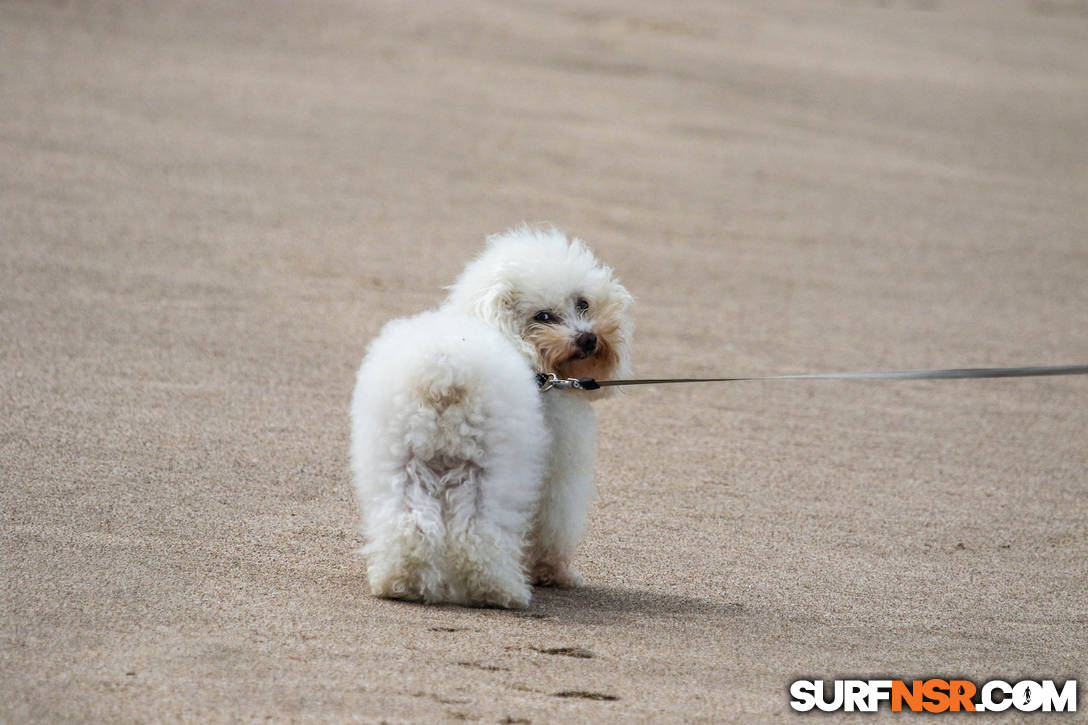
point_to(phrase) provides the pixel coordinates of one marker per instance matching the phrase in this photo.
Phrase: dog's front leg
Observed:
(568, 489)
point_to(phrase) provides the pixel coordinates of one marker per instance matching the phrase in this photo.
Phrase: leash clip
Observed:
(551, 381)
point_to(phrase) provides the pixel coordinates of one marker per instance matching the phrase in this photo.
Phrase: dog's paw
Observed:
(518, 600)
(511, 598)
(552, 574)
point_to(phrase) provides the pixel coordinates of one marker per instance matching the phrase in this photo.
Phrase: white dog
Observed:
(473, 483)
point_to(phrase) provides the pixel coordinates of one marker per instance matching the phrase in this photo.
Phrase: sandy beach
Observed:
(207, 209)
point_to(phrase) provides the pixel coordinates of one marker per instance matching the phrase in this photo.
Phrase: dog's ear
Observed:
(495, 305)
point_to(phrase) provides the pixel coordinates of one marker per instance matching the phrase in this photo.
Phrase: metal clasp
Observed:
(547, 381)
(550, 381)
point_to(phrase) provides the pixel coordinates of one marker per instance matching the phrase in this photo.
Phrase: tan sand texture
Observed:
(208, 208)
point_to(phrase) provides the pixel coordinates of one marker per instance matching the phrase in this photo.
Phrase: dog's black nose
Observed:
(586, 342)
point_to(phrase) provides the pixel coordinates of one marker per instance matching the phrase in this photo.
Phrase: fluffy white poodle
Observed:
(474, 484)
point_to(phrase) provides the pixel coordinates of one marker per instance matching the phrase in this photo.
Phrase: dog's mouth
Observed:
(583, 354)
(587, 355)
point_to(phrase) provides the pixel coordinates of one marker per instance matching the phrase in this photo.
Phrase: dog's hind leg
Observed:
(407, 545)
(487, 479)
(485, 544)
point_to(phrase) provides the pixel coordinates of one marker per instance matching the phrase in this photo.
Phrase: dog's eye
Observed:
(545, 317)
(582, 305)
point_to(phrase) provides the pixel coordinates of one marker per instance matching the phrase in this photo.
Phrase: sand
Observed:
(208, 208)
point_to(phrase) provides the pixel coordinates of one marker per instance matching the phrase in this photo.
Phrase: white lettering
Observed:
(835, 703)
(803, 693)
(988, 701)
(1027, 696)
(880, 690)
(1064, 701)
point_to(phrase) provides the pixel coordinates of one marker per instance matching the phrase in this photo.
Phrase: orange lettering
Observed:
(912, 695)
(961, 692)
(936, 691)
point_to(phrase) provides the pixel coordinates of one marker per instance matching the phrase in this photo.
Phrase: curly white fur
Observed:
(473, 484)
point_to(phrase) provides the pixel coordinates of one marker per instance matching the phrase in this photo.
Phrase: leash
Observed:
(551, 381)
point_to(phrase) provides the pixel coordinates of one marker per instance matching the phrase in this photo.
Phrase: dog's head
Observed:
(565, 311)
